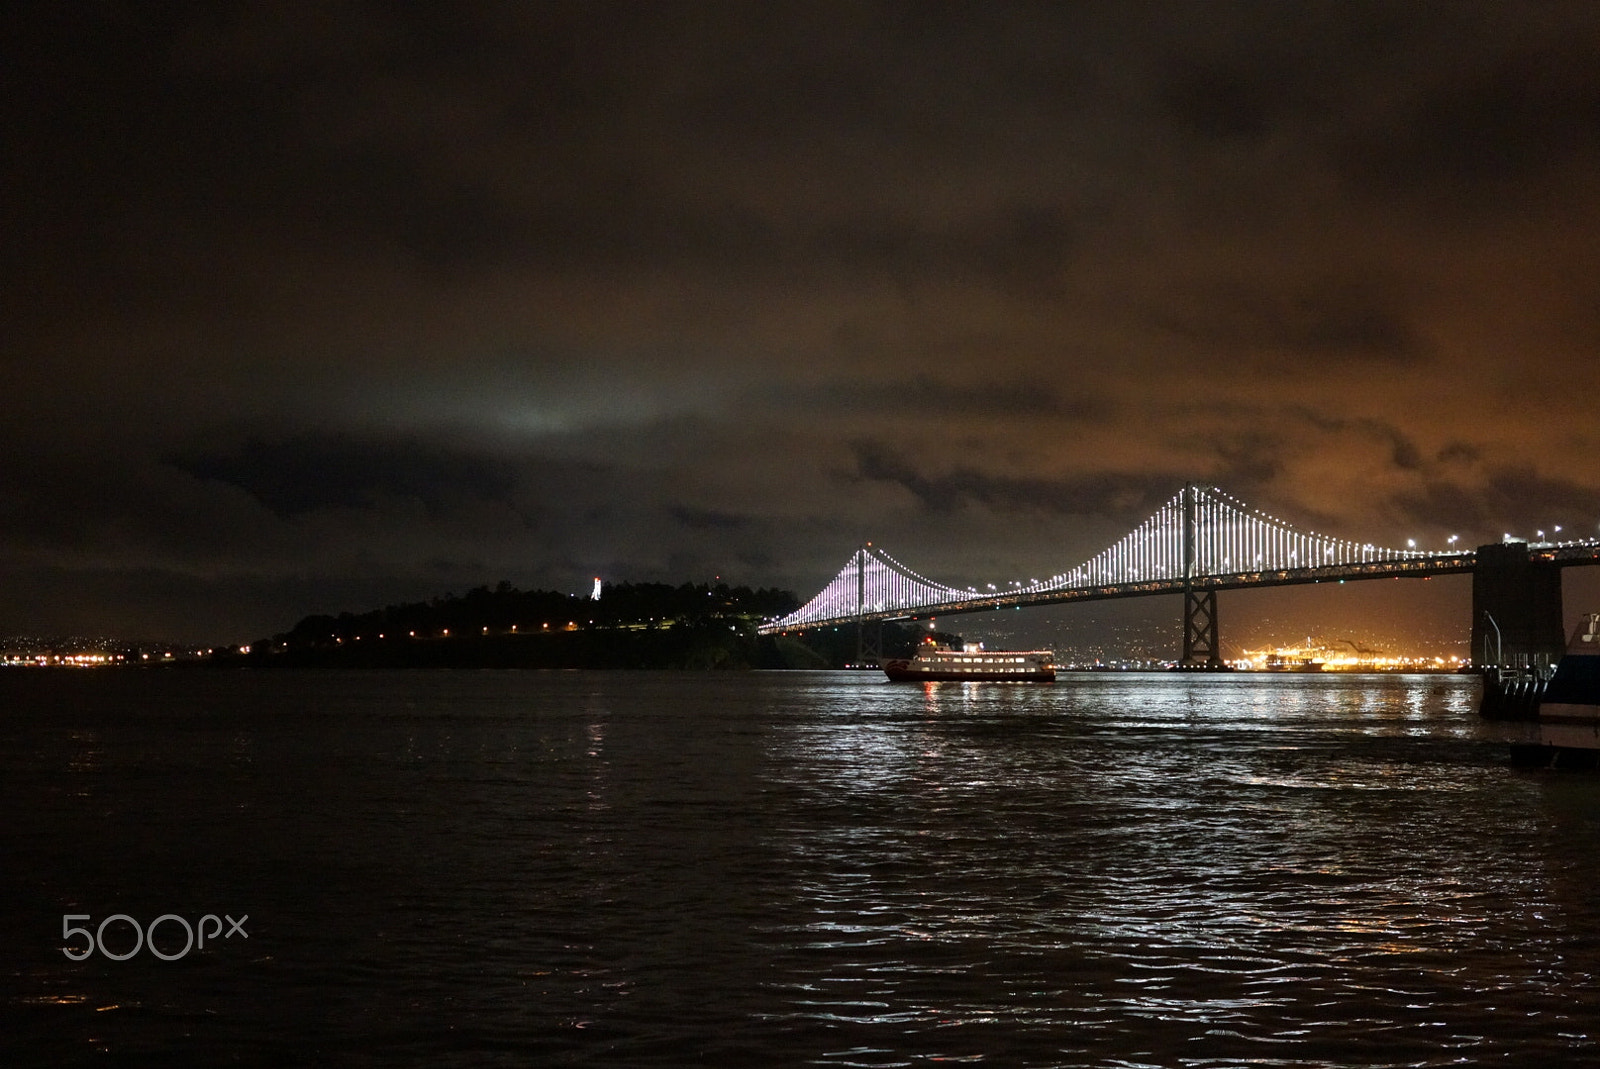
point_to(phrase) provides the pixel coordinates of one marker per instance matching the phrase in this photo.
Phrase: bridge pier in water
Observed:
(1517, 632)
(869, 644)
(1202, 650)
(1516, 608)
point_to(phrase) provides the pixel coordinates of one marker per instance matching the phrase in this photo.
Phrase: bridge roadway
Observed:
(1416, 566)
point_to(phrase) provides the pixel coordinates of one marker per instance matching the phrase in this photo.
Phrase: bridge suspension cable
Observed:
(1228, 538)
(873, 582)
(1201, 533)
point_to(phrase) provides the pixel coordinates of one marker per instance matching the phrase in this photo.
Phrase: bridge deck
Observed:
(1421, 566)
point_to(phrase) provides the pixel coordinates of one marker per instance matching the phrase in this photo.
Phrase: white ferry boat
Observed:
(972, 664)
(1569, 709)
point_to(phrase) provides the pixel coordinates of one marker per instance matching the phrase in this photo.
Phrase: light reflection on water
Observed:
(1186, 869)
(797, 868)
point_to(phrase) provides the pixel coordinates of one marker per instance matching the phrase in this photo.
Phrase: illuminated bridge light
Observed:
(1198, 534)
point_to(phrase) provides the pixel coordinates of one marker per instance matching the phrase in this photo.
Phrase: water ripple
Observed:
(639, 869)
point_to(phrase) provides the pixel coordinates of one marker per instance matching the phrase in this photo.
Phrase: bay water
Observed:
(785, 868)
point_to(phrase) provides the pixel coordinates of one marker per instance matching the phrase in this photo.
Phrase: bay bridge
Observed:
(1204, 540)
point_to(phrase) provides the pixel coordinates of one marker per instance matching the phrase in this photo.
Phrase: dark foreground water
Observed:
(625, 869)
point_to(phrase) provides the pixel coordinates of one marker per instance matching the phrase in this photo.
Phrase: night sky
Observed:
(313, 307)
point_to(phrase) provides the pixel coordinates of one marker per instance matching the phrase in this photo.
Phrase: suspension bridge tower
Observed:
(1202, 651)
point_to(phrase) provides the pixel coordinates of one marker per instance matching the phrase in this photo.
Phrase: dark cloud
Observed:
(1333, 319)
(707, 519)
(1222, 101)
(1022, 248)
(305, 473)
(1518, 500)
(927, 394)
(363, 301)
(1099, 494)
(76, 508)
(1466, 139)
(1249, 458)
(1403, 452)
(1459, 453)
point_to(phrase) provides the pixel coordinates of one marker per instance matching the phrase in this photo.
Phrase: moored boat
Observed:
(972, 663)
(1569, 708)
